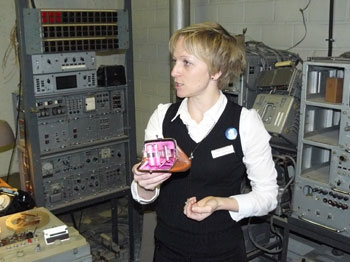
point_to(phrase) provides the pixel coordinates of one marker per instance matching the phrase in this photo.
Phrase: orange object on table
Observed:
(4, 184)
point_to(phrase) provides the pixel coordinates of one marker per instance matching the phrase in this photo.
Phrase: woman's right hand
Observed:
(149, 180)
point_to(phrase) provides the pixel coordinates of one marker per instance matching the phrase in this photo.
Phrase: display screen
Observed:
(66, 82)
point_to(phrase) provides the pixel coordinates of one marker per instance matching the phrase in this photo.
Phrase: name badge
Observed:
(222, 151)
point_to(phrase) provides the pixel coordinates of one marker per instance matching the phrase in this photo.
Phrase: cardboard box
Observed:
(334, 90)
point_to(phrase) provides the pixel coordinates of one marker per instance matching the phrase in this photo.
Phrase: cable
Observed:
(257, 245)
(263, 51)
(288, 184)
(272, 228)
(80, 219)
(12, 46)
(33, 3)
(292, 178)
(304, 23)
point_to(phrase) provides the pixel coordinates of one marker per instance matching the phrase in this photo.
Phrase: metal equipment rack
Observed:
(46, 35)
(321, 194)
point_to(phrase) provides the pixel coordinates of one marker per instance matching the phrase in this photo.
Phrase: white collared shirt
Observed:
(255, 146)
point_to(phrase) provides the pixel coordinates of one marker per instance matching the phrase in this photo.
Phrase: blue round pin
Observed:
(231, 133)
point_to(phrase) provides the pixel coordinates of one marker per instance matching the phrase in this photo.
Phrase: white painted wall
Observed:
(277, 23)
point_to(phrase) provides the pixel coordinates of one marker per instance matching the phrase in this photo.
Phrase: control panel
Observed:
(340, 172)
(65, 121)
(64, 72)
(63, 82)
(84, 173)
(323, 205)
(82, 132)
(63, 62)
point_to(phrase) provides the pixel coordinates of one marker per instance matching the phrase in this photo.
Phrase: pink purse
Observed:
(163, 155)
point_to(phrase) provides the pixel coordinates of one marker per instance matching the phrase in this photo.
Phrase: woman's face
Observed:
(191, 75)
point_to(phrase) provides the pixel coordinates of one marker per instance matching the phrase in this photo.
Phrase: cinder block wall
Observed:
(151, 59)
(277, 23)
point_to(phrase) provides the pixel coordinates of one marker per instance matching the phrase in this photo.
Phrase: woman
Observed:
(198, 210)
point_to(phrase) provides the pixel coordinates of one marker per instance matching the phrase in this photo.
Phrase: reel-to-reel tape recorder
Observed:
(37, 235)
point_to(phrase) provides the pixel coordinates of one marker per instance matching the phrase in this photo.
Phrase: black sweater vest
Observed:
(208, 176)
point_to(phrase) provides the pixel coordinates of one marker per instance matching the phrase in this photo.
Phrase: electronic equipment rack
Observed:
(76, 139)
(321, 193)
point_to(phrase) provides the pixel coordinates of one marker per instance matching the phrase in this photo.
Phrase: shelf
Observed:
(91, 200)
(318, 173)
(328, 136)
(324, 85)
(320, 101)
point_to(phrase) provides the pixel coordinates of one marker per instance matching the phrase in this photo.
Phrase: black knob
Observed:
(332, 203)
(342, 158)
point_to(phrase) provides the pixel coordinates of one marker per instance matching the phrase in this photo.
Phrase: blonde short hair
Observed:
(211, 43)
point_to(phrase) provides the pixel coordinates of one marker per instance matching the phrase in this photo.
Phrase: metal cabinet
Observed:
(322, 183)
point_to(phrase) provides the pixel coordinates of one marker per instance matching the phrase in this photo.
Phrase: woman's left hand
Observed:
(201, 209)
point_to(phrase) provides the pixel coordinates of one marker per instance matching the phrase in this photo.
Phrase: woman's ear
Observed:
(216, 76)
